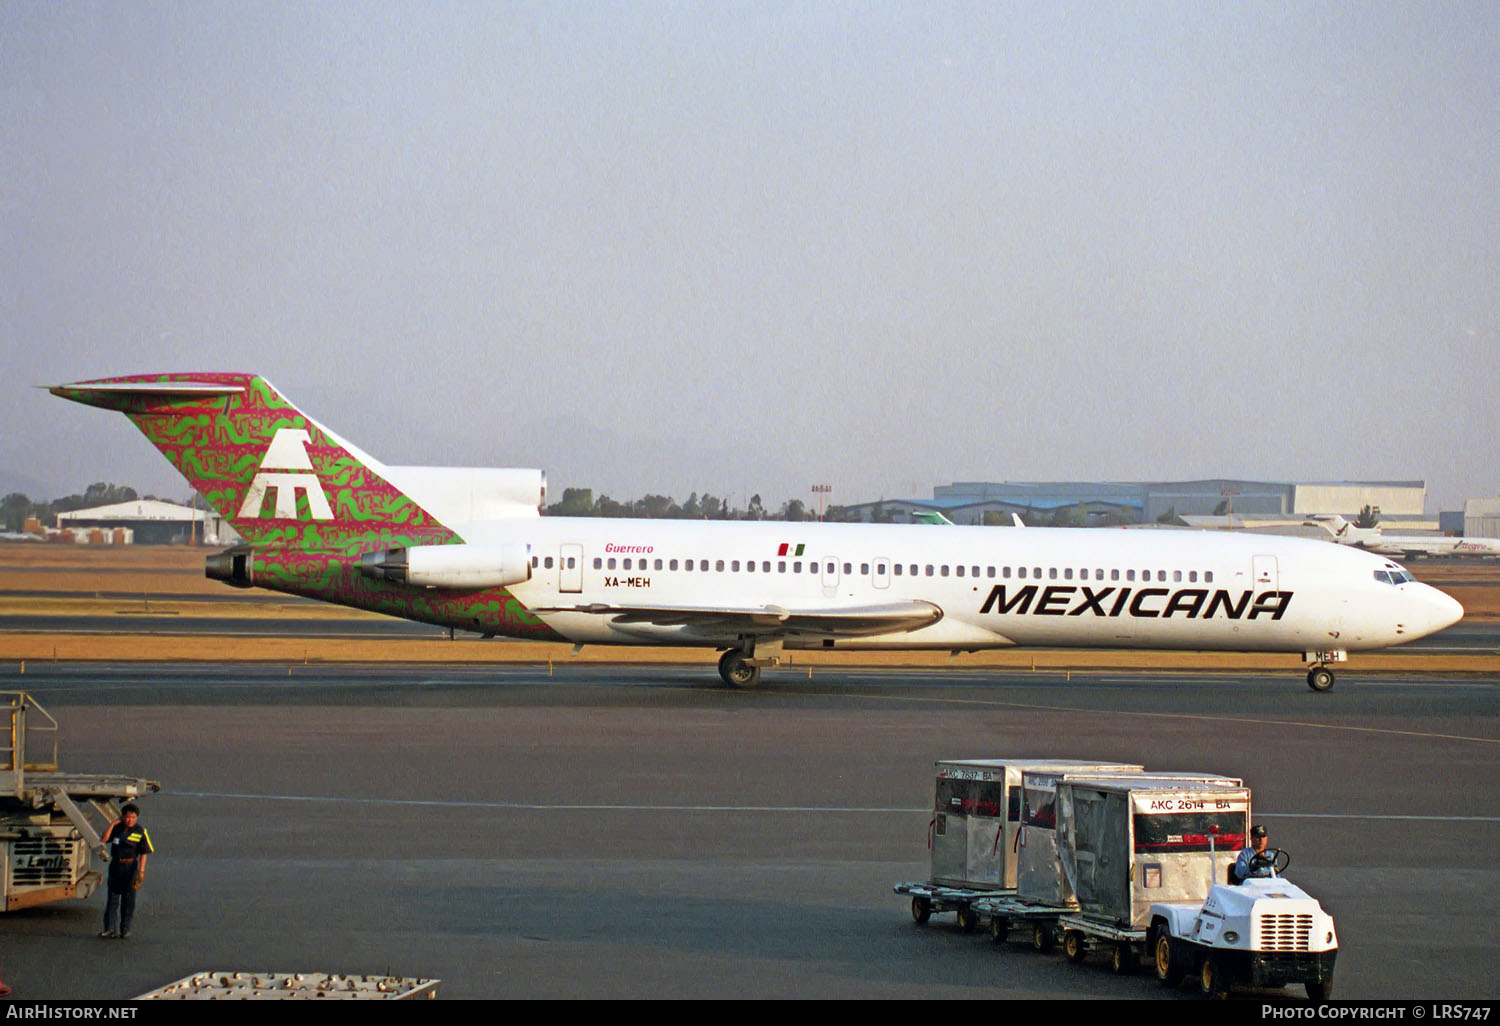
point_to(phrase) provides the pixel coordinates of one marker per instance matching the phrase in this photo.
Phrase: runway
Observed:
(642, 832)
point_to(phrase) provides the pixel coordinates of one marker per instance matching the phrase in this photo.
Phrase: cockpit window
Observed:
(1395, 576)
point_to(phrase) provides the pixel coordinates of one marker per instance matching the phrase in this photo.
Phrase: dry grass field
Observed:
(70, 580)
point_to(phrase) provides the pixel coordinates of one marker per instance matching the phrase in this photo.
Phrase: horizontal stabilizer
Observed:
(115, 395)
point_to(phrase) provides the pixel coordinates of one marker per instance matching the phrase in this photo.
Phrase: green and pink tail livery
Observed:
(313, 509)
(277, 476)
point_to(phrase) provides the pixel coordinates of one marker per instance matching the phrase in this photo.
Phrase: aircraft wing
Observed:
(769, 621)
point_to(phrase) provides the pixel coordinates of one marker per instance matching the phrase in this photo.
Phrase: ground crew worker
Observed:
(129, 844)
(1252, 860)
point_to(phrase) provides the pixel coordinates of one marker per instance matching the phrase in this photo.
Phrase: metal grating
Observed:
(1285, 931)
(41, 862)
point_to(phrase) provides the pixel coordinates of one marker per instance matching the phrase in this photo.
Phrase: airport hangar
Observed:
(149, 522)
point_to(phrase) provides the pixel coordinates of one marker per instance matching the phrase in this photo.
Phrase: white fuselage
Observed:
(1089, 587)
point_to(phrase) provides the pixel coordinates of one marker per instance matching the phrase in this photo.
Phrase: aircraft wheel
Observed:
(921, 911)
(738, 673)
(1075, 948)
(1320, 678)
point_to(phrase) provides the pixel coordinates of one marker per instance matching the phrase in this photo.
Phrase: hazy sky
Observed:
(745, 248)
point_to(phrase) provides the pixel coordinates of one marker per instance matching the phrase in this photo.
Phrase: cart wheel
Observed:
(1074, 947)
(1123, 960)
(1042, 939)
(968, 919)
(1211, 979)
(921, 910)
(1167, 973)
(999, 929)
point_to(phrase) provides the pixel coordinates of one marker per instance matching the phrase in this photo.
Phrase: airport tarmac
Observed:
(644, 832)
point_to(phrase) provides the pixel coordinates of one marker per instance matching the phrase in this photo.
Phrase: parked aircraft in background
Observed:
(1405, 546)
(465, 548)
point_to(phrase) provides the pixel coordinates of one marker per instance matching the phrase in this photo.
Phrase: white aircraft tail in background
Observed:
(1408, 546)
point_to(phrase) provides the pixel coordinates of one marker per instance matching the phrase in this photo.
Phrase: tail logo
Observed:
(287, 468)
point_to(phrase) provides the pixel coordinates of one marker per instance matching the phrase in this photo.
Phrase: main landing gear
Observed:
(737, 670)
(740, 666)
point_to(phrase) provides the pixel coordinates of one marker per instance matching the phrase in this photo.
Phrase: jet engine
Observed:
(451, 566)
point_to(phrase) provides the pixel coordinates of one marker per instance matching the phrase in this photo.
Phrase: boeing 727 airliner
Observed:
(465, 548)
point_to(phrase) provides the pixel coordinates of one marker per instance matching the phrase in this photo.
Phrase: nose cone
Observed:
(1439, 610)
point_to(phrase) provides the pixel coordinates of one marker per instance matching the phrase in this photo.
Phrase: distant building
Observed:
(1125, 502)
(1482, 518)
(149, 522)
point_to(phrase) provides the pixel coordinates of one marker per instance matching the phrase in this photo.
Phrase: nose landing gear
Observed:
(1320, 678)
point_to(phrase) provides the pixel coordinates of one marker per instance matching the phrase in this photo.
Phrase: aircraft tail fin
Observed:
(277, 476)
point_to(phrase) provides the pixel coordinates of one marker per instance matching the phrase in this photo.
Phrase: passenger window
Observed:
(598, 563)
(1192, 576)
(1052, 573)
(749, 566)
(960, 570)
(797, 567)
(944, 569)
(536, 561)
(848, 570)
(1208, 576)
(1161, 575)
(547, 562)
(1130, 575)
(765, 566)
(625, 563)
(1114, 575)
(611, 562)
(658, 564)
(1005, 572)
(735, 566)
(864, 569)
(929, 569)
(672, 565)
(1020, 572)
(897, 569)
(1176, 576)
(1067, 574)
(781, 566)
(991, 572)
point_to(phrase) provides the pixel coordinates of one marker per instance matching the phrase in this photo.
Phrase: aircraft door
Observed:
(830, 575)
(570, 568)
